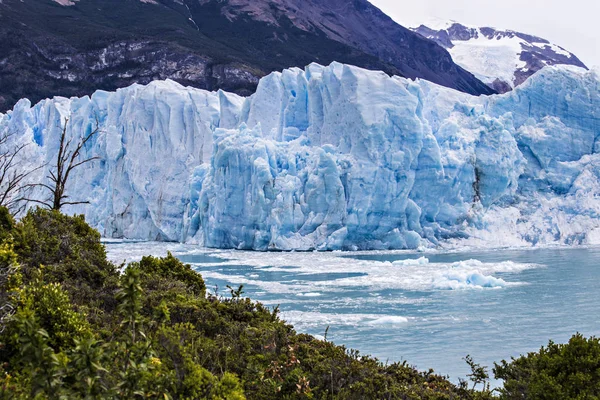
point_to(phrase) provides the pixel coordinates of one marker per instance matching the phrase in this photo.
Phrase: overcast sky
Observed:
(572, 24)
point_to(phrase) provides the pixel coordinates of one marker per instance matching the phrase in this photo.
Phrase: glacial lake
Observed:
(431, 308)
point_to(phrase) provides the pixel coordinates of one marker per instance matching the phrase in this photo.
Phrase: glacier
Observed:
(331, 158)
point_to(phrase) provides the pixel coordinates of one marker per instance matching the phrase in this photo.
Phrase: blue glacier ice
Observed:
(333, 157)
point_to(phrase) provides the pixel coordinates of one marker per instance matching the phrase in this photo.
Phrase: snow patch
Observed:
(490, 59)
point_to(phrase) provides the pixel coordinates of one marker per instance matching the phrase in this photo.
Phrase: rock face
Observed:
(333, 157)
(503, 59)
(52, 47)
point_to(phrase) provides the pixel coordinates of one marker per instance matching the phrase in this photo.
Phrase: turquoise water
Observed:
(429, 309)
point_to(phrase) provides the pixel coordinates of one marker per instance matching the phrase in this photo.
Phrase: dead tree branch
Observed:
(12, 174)
(67, 159)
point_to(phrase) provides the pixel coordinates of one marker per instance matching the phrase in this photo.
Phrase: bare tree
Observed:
(12, 175)
(67, 160)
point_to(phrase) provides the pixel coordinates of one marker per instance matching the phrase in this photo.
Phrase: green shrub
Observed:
(8, 261)
(7, 224)
(558, 372)
(181, 348)
(72, 255)
(53, 312)
(46, 237)
(171, 269)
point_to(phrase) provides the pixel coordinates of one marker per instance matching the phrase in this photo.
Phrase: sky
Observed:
(571, 24)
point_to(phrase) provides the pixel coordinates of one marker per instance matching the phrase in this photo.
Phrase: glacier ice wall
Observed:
(334, 157)
(151, 138)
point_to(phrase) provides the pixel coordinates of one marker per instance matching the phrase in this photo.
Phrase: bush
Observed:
(7, 224)
(47, 237)
(70, 252)
(557, 372)
(53, 312)
(170, 268)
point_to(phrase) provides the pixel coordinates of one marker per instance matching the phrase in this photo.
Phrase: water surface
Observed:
(431, 309)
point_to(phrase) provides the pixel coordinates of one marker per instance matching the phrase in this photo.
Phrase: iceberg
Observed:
(332, 157)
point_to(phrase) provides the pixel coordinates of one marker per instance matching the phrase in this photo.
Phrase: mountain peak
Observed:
(503, 59)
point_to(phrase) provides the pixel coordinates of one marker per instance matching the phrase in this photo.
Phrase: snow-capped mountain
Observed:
(334, 157)
(503, 59)
(73, 47)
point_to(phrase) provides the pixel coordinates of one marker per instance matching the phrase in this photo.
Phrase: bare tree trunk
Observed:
(67, 160)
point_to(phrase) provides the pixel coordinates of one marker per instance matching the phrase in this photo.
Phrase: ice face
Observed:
(331, 158)
(151, 138)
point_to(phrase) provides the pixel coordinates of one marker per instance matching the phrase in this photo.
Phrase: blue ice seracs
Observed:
(335, 157)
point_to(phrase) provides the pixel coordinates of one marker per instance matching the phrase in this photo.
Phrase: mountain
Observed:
(503, 59)
(73, 47)
(329, 158)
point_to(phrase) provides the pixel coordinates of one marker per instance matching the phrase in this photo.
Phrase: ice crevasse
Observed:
(333, 157)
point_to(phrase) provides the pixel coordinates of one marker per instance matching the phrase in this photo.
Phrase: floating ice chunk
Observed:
(389, 320)
(466, 279)
(419, 261)
(312, 319)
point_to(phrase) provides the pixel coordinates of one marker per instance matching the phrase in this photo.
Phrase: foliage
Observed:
(479, 374)
(54, 354)
(47, 237)
(8, 267)
(71, 253)
(557, 372)
(7, 224)
(53, 312)
(170, 268)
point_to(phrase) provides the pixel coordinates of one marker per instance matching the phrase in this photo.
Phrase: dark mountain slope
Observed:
(48, 47)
